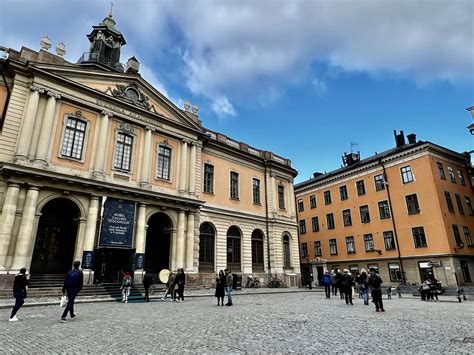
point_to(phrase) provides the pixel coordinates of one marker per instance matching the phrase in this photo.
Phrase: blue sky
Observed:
(303, 79)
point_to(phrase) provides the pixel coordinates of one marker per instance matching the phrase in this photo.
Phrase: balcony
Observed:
(89, 57)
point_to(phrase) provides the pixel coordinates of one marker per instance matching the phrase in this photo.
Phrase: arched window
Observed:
(206, 247)
(233, 248)
(286, 252)
(257, 251)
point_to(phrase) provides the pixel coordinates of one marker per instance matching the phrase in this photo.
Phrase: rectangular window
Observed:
(452, 177)
(364, 214)
(234, 185)
(353, 269)
(369, 242)
(407, 175)
(346, 217)
(384, 210)
(317, 248)
(449, 202)
(457, 236)
(395, 273)
(373, 266)
(123, 151)
(388, 240)
(459, 203)
(467, 236)
(327, 197)
(412, 204)
(281, 197)
(330, 221)
(379, 182)
(300, 205)
(442, 175)
(461, 178)
(350, 245)
(304, 249)
(343, 192)
(73, 140)
(315, 224)
(312, 201)
(419, 238)
(208, 178)
(360, 187)
(469, 205)
(256, 191)
(164, 163)
(332, 246)
(303, 226)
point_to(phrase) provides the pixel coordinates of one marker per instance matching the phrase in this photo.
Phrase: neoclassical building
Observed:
(97, 165)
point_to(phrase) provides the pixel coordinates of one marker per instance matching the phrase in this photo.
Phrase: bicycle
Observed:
(251, 282)
(275, 283)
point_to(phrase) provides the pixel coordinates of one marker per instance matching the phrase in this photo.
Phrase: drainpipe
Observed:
(393, 223)
(267, 223)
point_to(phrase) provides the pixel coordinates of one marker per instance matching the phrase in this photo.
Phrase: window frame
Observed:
(449, 201)
(384, 211)
(302, 225)
(258, 254)
(347, 217)
(330, 223)
(327, 197)
(468, 203)
(333, 246)
(123, 145)
(343, 193)
(300, 204)
(318, 251)
(234, 192)
(286, 241)
(389, 240)
(315, 226)
(421, 236)
(281, 197)
(304, 250)
(413, 206)
(167, 158)
(360, 188)
(441, 172)
(462, 181)
(452, 176)
(457, 236)
(369, 244)
(350, 245)
(407, 174)
(364, 214)
(256, 191)
(208, 183)
(457, 197)
(65, 129)
(379, 181)
(395, 273)
(467, 236)
(312, 201)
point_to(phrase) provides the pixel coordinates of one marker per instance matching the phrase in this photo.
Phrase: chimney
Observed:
(316, 174)
(399, 138)
(411, 138)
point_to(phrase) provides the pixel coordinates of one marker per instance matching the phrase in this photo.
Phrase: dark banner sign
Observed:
(139, 261)
(88, 260)
(117, 223)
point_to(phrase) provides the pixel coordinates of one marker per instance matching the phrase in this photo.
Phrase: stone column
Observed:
(291, 199)
(46, 133)
(182, 166)
(140, 234)
(274, 186)
(145, 168)
(26, 132)
(190, 243)
(174, 237)
(101, 150)
(91, 224)
(22, 255)
(180, 242)
(192, 170)
(6, 221)
(80, 239)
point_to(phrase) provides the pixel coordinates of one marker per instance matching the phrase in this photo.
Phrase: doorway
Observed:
(111, 264)
(465, 271)
(53, 252)
(425, 270)
(158, 242)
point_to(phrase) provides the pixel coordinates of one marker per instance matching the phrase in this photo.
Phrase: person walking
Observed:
(72, 286)
(20, 285)
(333, 283)
(180, 281)
(399, 291)
(389, 292)
(169, 288)
(339, 287)
(147, 283)
(327, 284)
(363, 286)
(375, 283)
(229, 283)
(220, 285)
(126, 286)
(347, 283)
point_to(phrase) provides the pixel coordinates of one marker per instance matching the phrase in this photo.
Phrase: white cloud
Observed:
(223, 108)
(319, 85)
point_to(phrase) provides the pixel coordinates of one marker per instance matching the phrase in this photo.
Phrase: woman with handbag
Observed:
(220, 286)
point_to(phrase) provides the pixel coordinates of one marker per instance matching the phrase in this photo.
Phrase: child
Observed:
(399, 291)
(126, 285)
(389, 292)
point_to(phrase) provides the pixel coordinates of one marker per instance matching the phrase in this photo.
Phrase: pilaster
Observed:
(41, 156)
(101, 149)
(91, 224)
(192, 170)
(190, 243)
(180, 243)
(145, 168)
(140, 233)
(7, 220)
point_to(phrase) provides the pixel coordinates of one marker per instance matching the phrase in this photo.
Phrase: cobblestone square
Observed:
(301, 322)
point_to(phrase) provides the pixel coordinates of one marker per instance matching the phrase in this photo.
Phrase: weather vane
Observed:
(111, 5)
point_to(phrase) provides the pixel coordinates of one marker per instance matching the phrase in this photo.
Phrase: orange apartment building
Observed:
(406, 212)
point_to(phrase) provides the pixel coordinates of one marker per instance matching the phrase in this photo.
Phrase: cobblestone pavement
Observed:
(302, 322)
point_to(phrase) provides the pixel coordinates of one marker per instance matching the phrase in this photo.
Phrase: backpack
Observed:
(347, 280)
(376, 281)
(72, 277)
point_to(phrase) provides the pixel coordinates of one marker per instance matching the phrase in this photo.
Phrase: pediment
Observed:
(133, 91)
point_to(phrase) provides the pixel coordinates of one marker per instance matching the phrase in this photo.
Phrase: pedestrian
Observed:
(333, 283)
(147, 283)
(375, 282)
(169, 288)
(72, 286)
(229, 283)
(338, 279)
(389, 292)
(180, 282)
(126, 286)
(347, 283)
(327, 284)
(20, 285)
(399, 291)
(220, 285)
(363, 286)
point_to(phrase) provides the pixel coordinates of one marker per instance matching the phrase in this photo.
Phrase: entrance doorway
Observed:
(158, 241)
(56, 237)
(425, 270)
(465, 271)
(111, 264)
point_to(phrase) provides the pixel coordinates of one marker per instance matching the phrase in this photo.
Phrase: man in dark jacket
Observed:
(19, 292)
(72, 285)
(375, 283)
(229, 282)
(147, 283)
(347, 283)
